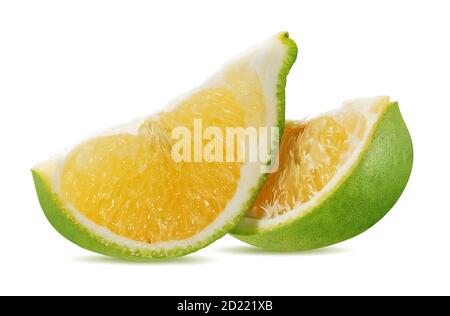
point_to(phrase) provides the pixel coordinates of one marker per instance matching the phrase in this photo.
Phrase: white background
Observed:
(68, 69)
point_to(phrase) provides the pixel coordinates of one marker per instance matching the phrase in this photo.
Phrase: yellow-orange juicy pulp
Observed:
(129, 183)
(310, 155)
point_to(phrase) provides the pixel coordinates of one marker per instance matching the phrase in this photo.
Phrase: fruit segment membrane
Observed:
(130, 184)
(311, 153)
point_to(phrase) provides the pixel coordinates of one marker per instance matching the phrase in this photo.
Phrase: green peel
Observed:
(358, 202)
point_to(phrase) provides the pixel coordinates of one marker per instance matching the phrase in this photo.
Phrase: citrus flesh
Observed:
(338, 175)
(311, 153)
(127, 183)
(122, 194)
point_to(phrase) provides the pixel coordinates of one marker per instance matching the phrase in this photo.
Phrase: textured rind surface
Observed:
(67, 225)
(291, 56)
(361, 199)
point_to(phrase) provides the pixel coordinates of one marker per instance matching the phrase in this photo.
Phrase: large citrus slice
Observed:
(339, 174)
(122, 193)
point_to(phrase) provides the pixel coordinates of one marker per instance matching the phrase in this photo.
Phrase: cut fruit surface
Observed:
(121, 193)
(339, 174)
(311, 154)
(128, 183)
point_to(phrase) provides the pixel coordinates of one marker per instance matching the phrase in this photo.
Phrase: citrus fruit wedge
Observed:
(338, 175)
(123, 194)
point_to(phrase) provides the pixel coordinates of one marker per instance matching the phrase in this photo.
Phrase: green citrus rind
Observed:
(67, 225)
(362, 197)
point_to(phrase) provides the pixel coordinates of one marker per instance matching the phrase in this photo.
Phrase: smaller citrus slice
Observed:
(338, 175)
(134, 192)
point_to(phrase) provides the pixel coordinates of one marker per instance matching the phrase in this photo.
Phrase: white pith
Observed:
(267, 59)
(362, 105)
